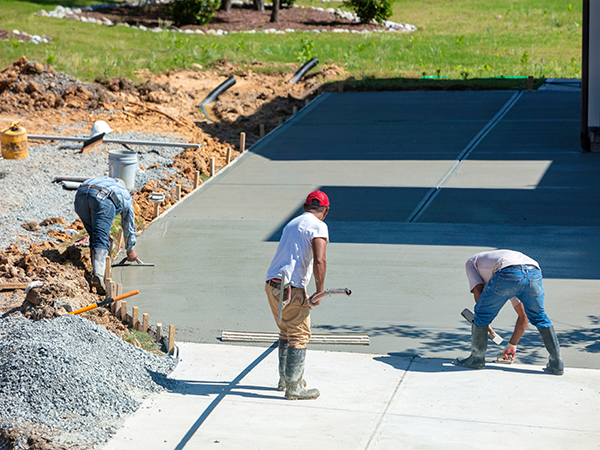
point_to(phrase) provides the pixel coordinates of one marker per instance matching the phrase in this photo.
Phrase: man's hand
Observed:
(510, 352)
(311, 305)
(132, 255)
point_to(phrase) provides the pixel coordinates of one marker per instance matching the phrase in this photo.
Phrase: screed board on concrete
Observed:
(524, 185)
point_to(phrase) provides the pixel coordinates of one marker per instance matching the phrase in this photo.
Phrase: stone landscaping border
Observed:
(62, 12)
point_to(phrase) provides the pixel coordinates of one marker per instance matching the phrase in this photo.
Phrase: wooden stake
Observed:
(158, 332)
(294, 110)
(116, 306)
(242, 142)
(107, 269)
(145, 320)
(306, 102)
(156, 209)
(228, 155)
(196, 179)
(340, 86)
(178, 192)
(530, 83)
(279, 121)
(109, 292)
(113, 288)
(261, 130)
(123, 310)
(212, 166)
(135, 317)
(171, 338)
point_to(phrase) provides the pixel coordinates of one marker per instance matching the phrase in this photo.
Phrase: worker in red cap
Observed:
(301, 251)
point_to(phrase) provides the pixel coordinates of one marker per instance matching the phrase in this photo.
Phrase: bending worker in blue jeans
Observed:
(303, 242)
(97, 202)
(494, 278)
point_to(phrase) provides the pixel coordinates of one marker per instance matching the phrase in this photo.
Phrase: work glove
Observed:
(510, 351)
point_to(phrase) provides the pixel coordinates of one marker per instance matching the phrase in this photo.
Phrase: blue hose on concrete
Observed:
(215, 94)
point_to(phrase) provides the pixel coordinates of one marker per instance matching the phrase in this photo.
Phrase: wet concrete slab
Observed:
(418, 183)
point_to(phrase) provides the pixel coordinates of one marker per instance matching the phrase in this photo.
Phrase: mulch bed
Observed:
(240, 18)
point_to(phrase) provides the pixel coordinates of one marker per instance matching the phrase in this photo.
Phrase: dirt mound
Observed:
(29, 85)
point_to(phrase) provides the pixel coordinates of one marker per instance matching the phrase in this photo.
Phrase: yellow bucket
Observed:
(14, 142)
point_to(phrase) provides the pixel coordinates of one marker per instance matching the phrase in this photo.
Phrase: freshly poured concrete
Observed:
(225, 397)
(418, 183)
(523, 185)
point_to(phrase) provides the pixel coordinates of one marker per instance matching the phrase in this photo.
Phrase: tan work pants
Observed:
(295, 317)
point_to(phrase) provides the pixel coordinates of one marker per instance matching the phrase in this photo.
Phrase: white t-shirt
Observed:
(294, 253)
(482, 266)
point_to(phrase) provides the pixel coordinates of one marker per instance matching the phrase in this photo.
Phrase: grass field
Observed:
(456, 40)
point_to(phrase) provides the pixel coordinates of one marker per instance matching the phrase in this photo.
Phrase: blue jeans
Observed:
(523, 282)
(97, 215)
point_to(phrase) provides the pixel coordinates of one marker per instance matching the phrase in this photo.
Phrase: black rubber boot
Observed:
(283, 349)
(555, 364)
(479, 337)
(294, 371)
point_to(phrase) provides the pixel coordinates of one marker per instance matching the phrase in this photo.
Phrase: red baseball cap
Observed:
(317, 198)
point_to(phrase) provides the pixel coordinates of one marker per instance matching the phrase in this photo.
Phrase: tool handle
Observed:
(106, 302)
(330, 292)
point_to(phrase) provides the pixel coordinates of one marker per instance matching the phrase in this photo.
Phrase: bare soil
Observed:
(240, 18)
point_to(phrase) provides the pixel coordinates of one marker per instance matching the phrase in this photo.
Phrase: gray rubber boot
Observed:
(99, 256)
(283, 349)
(555, 364)
(294, 371)
(479, 337)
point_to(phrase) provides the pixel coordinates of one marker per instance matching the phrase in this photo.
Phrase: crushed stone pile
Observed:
(72, 379)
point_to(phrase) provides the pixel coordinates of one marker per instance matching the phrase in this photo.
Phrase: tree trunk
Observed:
(275, 11)
(259, 5)
(225, 5)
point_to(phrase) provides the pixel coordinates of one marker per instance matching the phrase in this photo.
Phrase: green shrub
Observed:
(193, 12)
(367, 10)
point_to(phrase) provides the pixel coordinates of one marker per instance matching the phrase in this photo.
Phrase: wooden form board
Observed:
(249, 336)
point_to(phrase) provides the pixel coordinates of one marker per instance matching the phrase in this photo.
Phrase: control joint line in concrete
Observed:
(433, 192)
(387, 406)
(285, 125)
(226, 390)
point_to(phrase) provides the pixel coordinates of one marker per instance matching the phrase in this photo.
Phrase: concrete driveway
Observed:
(418, 182)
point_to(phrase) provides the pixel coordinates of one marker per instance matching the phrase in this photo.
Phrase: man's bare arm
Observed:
(319, 246)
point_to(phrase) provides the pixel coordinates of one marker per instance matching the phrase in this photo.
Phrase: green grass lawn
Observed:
(457, 40)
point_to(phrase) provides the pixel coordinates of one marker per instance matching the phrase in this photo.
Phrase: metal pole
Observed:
(113, 141)
(585, 68)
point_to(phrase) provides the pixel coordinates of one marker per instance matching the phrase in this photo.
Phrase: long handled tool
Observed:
(329, 292)
(467, 314)
(106, 302)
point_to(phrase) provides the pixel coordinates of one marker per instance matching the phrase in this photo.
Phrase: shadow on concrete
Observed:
(531, 347)
(431, 365)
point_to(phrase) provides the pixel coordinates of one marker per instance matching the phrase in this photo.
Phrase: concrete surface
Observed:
(225, 397)
(418, 182)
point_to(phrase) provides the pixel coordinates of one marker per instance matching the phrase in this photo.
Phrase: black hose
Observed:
(302, 71)
(215, 94)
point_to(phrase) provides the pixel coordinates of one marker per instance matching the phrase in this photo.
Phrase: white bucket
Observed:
(123, 164)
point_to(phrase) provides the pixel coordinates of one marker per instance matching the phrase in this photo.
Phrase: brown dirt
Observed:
(240, 18)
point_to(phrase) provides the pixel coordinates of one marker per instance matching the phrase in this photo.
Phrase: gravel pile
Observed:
(27, 191)
(73, 376)
(59, 82)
